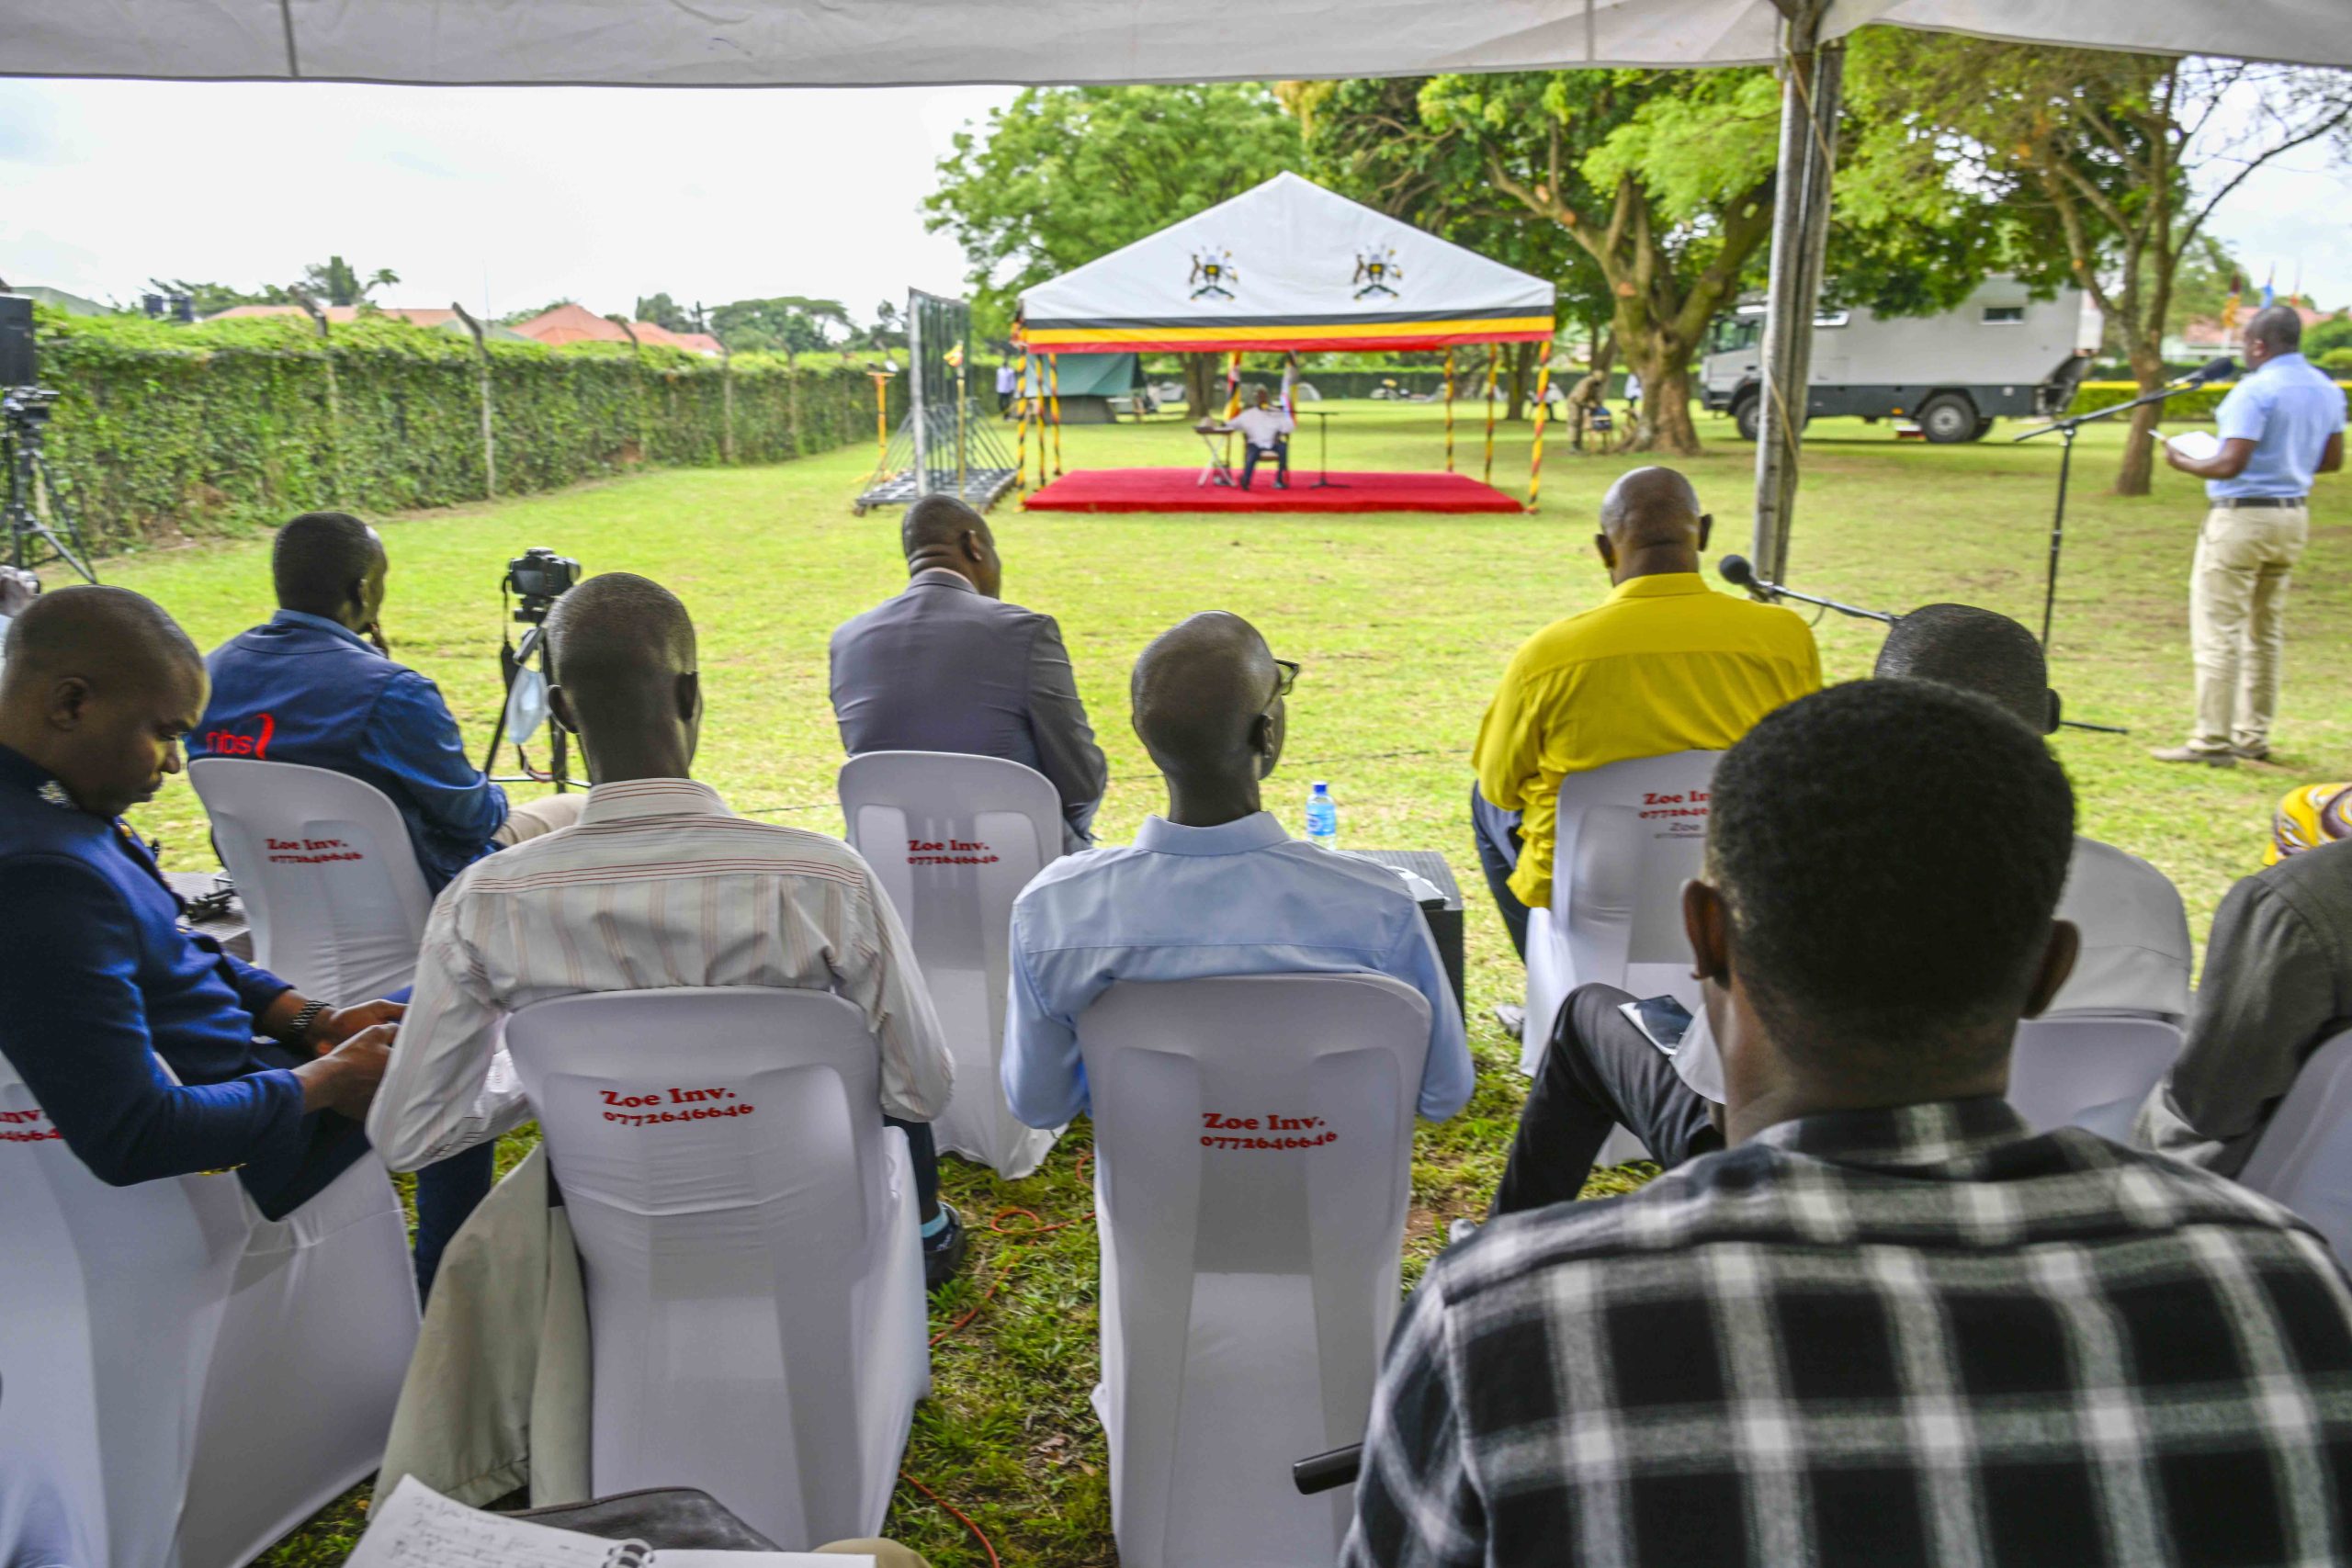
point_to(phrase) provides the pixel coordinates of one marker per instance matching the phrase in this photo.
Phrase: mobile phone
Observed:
(1662, 1020)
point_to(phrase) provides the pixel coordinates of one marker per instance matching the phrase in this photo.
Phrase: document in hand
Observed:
(2197, 446)
(418, 1528)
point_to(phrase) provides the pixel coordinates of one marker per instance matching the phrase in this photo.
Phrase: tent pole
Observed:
(1054, 380)
(1494, 363)
(961, 441)
(1449, 410)
(1810, 76)
(1020, 426)
(1535, 458)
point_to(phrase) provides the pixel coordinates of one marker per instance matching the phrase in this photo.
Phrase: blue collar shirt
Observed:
(1182, 903)
(2288, 409)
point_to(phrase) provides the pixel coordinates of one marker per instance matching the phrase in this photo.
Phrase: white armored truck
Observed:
(2002, 354)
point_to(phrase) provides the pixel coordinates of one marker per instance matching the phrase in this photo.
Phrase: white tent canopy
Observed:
(872, 42)
(1286, 264)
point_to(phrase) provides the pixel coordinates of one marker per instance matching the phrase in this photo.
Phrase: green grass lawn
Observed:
(1403, 624)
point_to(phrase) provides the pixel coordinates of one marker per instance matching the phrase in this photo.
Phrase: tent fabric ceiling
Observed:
(688, 43)
(1285, 265)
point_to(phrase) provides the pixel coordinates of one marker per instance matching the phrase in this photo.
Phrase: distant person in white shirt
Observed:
(659, 886)
(1600, 1071)
(1008, 381)
(1265, 432)
(1214, 887)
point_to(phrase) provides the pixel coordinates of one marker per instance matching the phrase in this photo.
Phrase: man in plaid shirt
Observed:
(1888, 1325)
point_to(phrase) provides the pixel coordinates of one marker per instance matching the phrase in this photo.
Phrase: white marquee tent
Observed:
(882, 42)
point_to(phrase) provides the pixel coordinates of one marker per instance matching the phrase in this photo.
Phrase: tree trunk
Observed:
(2132, 476)
(1523, 367)
(1666, 424)
(1202, 393)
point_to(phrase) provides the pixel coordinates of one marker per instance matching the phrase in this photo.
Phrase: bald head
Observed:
(1651, 509)
(2274, 330)
(1204, 705)
(98, 688)
(940, 531)
(621, 659)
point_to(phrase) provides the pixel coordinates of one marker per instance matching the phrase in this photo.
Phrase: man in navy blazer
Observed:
(138, 1039)
(948, 666)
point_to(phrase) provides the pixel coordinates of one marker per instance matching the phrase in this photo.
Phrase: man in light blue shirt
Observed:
(2279, 427)
(1216, 887)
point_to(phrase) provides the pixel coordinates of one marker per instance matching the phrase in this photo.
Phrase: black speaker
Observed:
(15, 341)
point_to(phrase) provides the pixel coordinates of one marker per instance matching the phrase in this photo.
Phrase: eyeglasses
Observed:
(1285, 677)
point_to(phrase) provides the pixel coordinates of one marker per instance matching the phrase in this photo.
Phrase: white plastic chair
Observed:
(2088, 1069)
(2304, 1158)
(324, 867)
(747, 1233)
(956, 903)
(182, 1380)
(1246, 1291)
(1630, 835)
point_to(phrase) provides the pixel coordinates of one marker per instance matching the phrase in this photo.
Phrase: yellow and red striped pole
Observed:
(1449, 410)
(1233, 384)
(1494, 363)
(1535, 458)
(881, 422)
(1053, 374)
(1020, 429)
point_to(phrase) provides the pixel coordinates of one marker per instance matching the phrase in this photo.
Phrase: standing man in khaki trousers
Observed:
(2280, 425)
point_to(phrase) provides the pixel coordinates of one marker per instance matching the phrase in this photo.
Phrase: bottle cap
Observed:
(1322, 788)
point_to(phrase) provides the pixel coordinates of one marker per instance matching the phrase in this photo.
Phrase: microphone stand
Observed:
(1773, 591)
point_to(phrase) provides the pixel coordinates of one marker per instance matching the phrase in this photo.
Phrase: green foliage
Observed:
(166, 430)
(1065, 174)
(339, 283)
(2335, 361)
(517, 318)
(788, 323)
(664, 312)
(2332, 335)
(212, 298)
(2180, 407)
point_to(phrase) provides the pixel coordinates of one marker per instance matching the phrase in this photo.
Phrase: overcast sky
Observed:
(508, 197)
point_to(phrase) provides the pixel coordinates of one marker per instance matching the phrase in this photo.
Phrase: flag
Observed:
(956, 357)
(2271, 294)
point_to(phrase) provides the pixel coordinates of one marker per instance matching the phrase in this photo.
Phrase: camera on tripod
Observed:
(37, 520)
(538, 577)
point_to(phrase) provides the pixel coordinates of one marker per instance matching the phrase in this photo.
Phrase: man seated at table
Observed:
(659, 886)
(948, 666)
(1214, 887)
(1889, 1323)
(1265, 430)
(315, 685)
(1601, 1070)
(150, 1052)
(1664, 664)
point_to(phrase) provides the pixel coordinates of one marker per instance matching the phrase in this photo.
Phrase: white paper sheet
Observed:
(2197, 446)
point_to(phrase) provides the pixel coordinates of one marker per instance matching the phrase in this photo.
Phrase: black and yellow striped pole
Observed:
(1053, 374)
(1494, 363)
(1449, 410)
(881, 423)
(1535, 458)
(1021, 428)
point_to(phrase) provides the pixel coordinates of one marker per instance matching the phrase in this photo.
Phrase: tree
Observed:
(517, 318)
(339, 283)
(1062, 176)
(787, 323)
(664, 312)
(212, 298)
(2127, 154)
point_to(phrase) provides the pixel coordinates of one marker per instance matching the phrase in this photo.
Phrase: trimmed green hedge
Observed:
(162, 428)
(2199, 403)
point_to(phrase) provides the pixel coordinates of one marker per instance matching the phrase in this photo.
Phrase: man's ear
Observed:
(2057, 963)
(69, 703)
(2057, 712)
(1706, 527)
(1706, 922)
(1608, 551)
(1263, 740)
(560, 710)
(690, 695)
(969, 543)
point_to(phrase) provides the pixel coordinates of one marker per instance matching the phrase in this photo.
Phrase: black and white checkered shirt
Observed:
(1916, 1336)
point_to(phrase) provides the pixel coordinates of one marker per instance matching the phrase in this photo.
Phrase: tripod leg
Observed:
(25, 523)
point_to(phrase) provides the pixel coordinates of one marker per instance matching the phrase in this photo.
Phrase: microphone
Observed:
(2220, 368)
(1740, 572)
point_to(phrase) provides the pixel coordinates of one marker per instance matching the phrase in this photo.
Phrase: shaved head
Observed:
(1650, 524)
(621, 660)
(940, 532)
(99, 686)
(1203, 699)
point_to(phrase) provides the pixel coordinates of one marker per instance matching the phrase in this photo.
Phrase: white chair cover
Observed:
(748, 1232)
(323, 865)
(956, 903)
(2090, 1069)
(182, 1380)
(1630, 835)
(1246, 1291)
(2304, 1157)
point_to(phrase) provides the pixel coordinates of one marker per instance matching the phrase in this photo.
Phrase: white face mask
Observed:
(526, 706)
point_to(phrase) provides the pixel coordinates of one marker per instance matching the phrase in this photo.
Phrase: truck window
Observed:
(2004, 315)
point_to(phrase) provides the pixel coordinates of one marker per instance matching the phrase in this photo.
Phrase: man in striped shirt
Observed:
(659, 886)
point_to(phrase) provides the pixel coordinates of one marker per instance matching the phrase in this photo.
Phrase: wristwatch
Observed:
(297, 1028)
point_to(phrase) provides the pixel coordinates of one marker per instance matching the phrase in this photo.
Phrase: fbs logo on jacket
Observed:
(228, 743)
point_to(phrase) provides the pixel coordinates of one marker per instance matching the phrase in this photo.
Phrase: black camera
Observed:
(540, 577)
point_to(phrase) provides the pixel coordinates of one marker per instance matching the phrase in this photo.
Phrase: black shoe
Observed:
(944, 1254)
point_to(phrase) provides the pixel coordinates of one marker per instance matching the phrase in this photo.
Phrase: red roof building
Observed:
(577, 323)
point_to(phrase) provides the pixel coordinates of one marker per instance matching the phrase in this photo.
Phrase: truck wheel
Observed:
(1947, 419)
(1745, 417)
(1983, 429)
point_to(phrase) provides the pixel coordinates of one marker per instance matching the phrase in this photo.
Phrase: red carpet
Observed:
(1173, 489)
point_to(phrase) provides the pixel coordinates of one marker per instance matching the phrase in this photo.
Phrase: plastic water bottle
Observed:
(1322, 818)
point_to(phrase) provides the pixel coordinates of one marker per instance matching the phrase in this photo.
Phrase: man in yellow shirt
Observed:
(1664, 664)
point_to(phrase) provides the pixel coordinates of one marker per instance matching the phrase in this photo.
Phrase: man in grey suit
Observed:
(948, 666)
